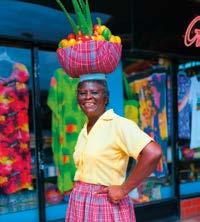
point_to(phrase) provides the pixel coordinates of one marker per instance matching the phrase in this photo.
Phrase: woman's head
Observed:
(93, 96)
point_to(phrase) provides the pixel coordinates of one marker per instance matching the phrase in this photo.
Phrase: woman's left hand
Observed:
(115, 193)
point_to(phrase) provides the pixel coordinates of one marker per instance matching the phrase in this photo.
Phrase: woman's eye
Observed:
(91, 93)
(81, 93)
(95, 93)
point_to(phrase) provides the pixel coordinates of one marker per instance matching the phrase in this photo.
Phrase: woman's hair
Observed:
(100, 82)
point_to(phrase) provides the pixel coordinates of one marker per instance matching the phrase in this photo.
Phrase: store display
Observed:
(15, 156)
(67, 121)
(153, 29)
(183, 106)
(131, 110)
(22, 200)
(147, 191)
(131, 105)
(188, 154)
(194, 100)
(148, 83)
(189, 167)
(52, 194)
(151, 92)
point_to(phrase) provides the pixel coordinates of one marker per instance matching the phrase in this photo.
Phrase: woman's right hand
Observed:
(115, 193)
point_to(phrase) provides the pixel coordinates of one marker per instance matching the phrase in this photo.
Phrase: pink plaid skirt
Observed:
(86, 206)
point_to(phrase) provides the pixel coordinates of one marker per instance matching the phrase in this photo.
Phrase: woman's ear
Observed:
(107, 99)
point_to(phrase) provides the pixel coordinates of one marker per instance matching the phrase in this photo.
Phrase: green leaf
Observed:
(98, 21)
(82, 4)
(71, 21)
(80, 18)
(88, 17)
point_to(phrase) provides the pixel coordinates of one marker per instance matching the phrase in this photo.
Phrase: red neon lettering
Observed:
(189, 39)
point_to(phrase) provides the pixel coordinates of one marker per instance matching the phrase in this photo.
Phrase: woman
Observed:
(101, 156)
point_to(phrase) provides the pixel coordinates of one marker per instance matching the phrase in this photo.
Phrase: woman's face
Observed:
(92, 99)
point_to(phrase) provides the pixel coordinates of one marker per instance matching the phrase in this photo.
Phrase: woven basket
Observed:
(90, 57)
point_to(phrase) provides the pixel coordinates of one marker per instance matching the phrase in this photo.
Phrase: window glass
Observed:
(188, 81)
(54, 196)
(17, 137)
(147, 102)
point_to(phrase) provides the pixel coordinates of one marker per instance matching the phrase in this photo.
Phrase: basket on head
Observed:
(90, 57)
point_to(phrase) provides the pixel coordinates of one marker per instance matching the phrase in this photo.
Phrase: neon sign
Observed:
(192, 36)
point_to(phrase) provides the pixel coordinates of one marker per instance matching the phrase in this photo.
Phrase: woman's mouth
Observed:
(88, 105)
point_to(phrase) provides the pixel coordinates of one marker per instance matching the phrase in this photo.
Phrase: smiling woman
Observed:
(101, 156)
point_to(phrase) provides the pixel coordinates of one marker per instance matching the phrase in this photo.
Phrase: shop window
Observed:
(18, 191)
(188, 82)
(147, 102)
(51, 152)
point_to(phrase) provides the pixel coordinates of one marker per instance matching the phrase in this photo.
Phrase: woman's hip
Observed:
(88, 206)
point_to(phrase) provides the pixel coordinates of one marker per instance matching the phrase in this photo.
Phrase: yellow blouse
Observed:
(101, 157)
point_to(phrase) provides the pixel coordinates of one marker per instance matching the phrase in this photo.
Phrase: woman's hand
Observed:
(115, 193)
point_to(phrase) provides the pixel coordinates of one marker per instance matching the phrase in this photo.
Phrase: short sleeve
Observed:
(133, 139)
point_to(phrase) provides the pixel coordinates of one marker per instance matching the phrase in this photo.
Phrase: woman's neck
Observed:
(92, 121)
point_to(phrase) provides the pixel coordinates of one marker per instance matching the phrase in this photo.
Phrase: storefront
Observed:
(155, 108)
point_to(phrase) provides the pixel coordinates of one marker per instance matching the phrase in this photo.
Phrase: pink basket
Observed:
(90, 57)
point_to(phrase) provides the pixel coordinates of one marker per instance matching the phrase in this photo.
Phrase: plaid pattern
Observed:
(86, 206)
(90, 57)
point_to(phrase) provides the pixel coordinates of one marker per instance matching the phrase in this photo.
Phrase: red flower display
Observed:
(15, 157)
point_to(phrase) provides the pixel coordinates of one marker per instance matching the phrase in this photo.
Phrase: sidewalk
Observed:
(193, 219)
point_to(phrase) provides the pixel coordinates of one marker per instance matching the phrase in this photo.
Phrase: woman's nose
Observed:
(88, 95)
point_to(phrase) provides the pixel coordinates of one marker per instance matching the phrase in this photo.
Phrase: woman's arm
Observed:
(146, 164)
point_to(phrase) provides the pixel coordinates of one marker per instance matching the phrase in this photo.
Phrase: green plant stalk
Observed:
(98, 20)
(82, 4)
(80, 18)
(86, 11)
(88, 17)
(71, 21)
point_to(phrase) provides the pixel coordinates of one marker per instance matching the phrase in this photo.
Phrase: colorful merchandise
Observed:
(52, 194)
(15, 156)
(194, 100)
(169, 104)
(184, 111)
(153, 117)
(131, 105)
(67, 121)
(131, 110)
